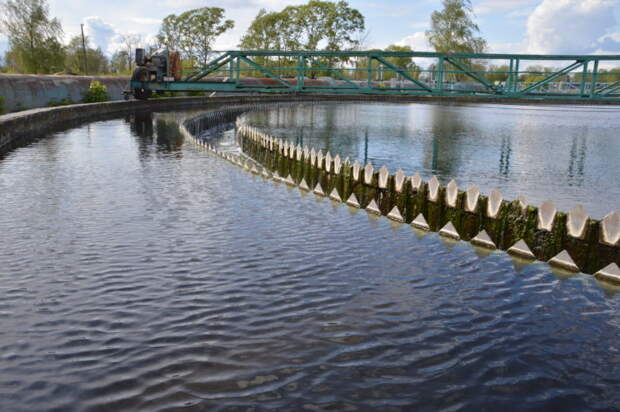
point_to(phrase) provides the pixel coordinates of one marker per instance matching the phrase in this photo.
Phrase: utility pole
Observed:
(84, 50)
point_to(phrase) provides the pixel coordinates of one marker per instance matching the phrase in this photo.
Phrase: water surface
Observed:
(140, 273)
(564, 153)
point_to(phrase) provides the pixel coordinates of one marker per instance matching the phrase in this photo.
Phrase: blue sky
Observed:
(536, 26)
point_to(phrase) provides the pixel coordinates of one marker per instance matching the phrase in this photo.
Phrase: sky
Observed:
(509, 26)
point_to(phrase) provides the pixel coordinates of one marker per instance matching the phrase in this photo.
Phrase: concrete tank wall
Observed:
(22, 127)
(26, 91)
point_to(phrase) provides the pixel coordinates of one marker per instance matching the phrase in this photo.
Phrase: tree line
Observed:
(36, 40)
(36, 43)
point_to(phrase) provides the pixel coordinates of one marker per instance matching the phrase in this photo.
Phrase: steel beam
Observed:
(238, 63)
(584, 73)
(465, 70)
(515, 85)
(552, 77)
(467, 56)
(301, 72)
(439, 75)
(403, 73)
(231, 86)
(332, 70)
(207, 69)
(610, 89)
(264, 70)
(594, 79)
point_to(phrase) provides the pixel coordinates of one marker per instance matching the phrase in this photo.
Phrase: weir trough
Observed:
(571, 241)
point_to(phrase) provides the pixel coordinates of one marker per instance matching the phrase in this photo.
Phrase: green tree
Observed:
(119, 63)
(271, 31)
(453, 30)
(608, 76)
(403, 62)
(98, 63)
(194, 31)
(169, 35)
(202, 27)
(317, 25)
(498, 73)
(34, 37)
(535, 74)
(336, 24)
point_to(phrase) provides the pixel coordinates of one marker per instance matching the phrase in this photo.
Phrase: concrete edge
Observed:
(35, 121)
(31, 123)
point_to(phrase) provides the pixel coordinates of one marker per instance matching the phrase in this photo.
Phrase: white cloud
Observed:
(496, 6)
(107, 37)
(571, 26)
(4, 47)
(419, 25)
(609, 43)
(518, 13)
(417, 41)
(553, 26)
(100, 33)
(231, 4)
(144, 20)
(144, 16)
(508, 48)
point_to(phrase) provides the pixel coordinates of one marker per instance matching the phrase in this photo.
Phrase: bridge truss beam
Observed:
(382, 73)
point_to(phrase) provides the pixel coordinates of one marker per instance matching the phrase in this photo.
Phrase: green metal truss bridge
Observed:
(515, 76)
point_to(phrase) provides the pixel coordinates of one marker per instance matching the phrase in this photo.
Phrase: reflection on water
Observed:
(566, 154)
(160, 130)
(140, 273)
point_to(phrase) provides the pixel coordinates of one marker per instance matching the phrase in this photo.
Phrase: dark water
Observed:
(562, 153)
(139, 273)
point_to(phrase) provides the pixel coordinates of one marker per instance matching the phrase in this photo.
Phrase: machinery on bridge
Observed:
(383, 73)
(163, 66)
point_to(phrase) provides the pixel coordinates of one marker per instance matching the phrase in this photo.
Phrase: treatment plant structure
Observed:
(375, 73)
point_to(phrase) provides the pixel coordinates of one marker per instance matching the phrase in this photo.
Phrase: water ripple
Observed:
(148, 275)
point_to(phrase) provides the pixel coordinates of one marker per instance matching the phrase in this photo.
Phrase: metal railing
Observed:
(575, 77)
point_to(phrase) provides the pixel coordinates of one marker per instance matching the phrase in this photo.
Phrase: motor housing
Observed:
(162, 66)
